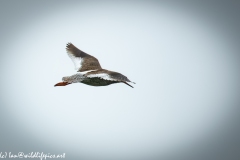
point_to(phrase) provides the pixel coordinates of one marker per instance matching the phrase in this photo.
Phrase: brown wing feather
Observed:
(114, 76)
(109, 75)
(84, 61)
(118, 76)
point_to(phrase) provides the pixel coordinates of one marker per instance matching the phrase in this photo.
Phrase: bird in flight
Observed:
(89, 70)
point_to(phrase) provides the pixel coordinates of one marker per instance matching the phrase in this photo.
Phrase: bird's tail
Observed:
(62, 84)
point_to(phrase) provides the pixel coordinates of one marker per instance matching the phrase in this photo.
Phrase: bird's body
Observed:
(89, 70)
(92, 81)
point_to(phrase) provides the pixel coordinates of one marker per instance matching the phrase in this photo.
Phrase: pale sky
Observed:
(184, 61)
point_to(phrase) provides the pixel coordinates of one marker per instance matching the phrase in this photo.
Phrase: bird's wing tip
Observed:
(128, 84)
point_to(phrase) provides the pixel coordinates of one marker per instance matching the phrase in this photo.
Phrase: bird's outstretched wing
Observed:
(82, 61)
(109, 75)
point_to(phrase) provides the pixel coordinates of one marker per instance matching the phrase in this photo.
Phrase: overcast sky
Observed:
(184, 58)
